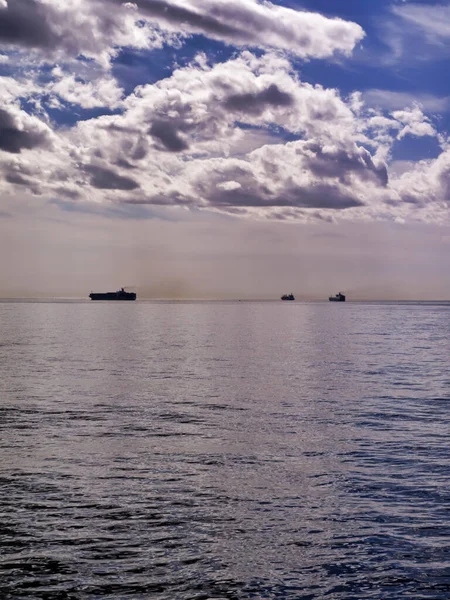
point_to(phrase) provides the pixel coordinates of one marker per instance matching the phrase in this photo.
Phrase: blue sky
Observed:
(314, 113)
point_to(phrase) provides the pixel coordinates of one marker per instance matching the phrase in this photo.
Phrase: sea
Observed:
(224, 450)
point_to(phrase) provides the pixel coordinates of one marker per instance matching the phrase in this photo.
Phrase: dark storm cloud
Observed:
(167, 133)
(17, 179)
(319, 196)
(25, 23)
(340, 163)
(13, 139)
(139, 152)
(316, 196)
(256, 103)
(120, 128)
(124, 164)
(241, 197)
(408, 198)
(56, 27)
(444, 180)
(133, 148)
(17, 175)
(106, 179)
(72, 194)
(255, 194)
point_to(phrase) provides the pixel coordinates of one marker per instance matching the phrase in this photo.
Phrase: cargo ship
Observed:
(288, 297)
(338, 298)
(119, 295)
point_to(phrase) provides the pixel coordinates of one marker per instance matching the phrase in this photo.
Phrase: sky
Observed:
(225, 148)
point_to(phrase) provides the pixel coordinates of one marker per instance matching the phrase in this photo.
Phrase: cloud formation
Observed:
(181, 141)
(246, 136)
(248, 22)
(421, 26)
(107, 179)
(20, 132)
(166, 132)
(27, 23)
(91, 28)
(97, 28)
(394, 100)
(255, 103)
(433, 20)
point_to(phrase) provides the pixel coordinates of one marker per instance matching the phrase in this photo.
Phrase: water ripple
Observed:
(224, 451)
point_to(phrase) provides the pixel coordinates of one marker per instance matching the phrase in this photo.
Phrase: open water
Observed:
(224, 450)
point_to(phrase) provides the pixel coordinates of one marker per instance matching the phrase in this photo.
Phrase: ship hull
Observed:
(112, 296)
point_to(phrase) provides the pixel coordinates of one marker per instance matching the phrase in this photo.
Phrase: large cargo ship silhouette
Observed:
(119, 295)
(338, 298)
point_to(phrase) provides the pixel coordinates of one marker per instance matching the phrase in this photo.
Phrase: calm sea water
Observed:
(224, 450)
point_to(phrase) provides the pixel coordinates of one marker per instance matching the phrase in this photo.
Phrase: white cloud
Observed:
(86, 86)
(252, 23)
(97, 29)
(427, 185)
(414, 122)
(87, 94)
(392, 100)
(421, 26)
(434, 20)
(93, 29)
(213, 137)
(174, 144)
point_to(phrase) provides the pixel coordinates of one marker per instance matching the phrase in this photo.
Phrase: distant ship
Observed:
(338, 298)
(119, 295)
(288, 297)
